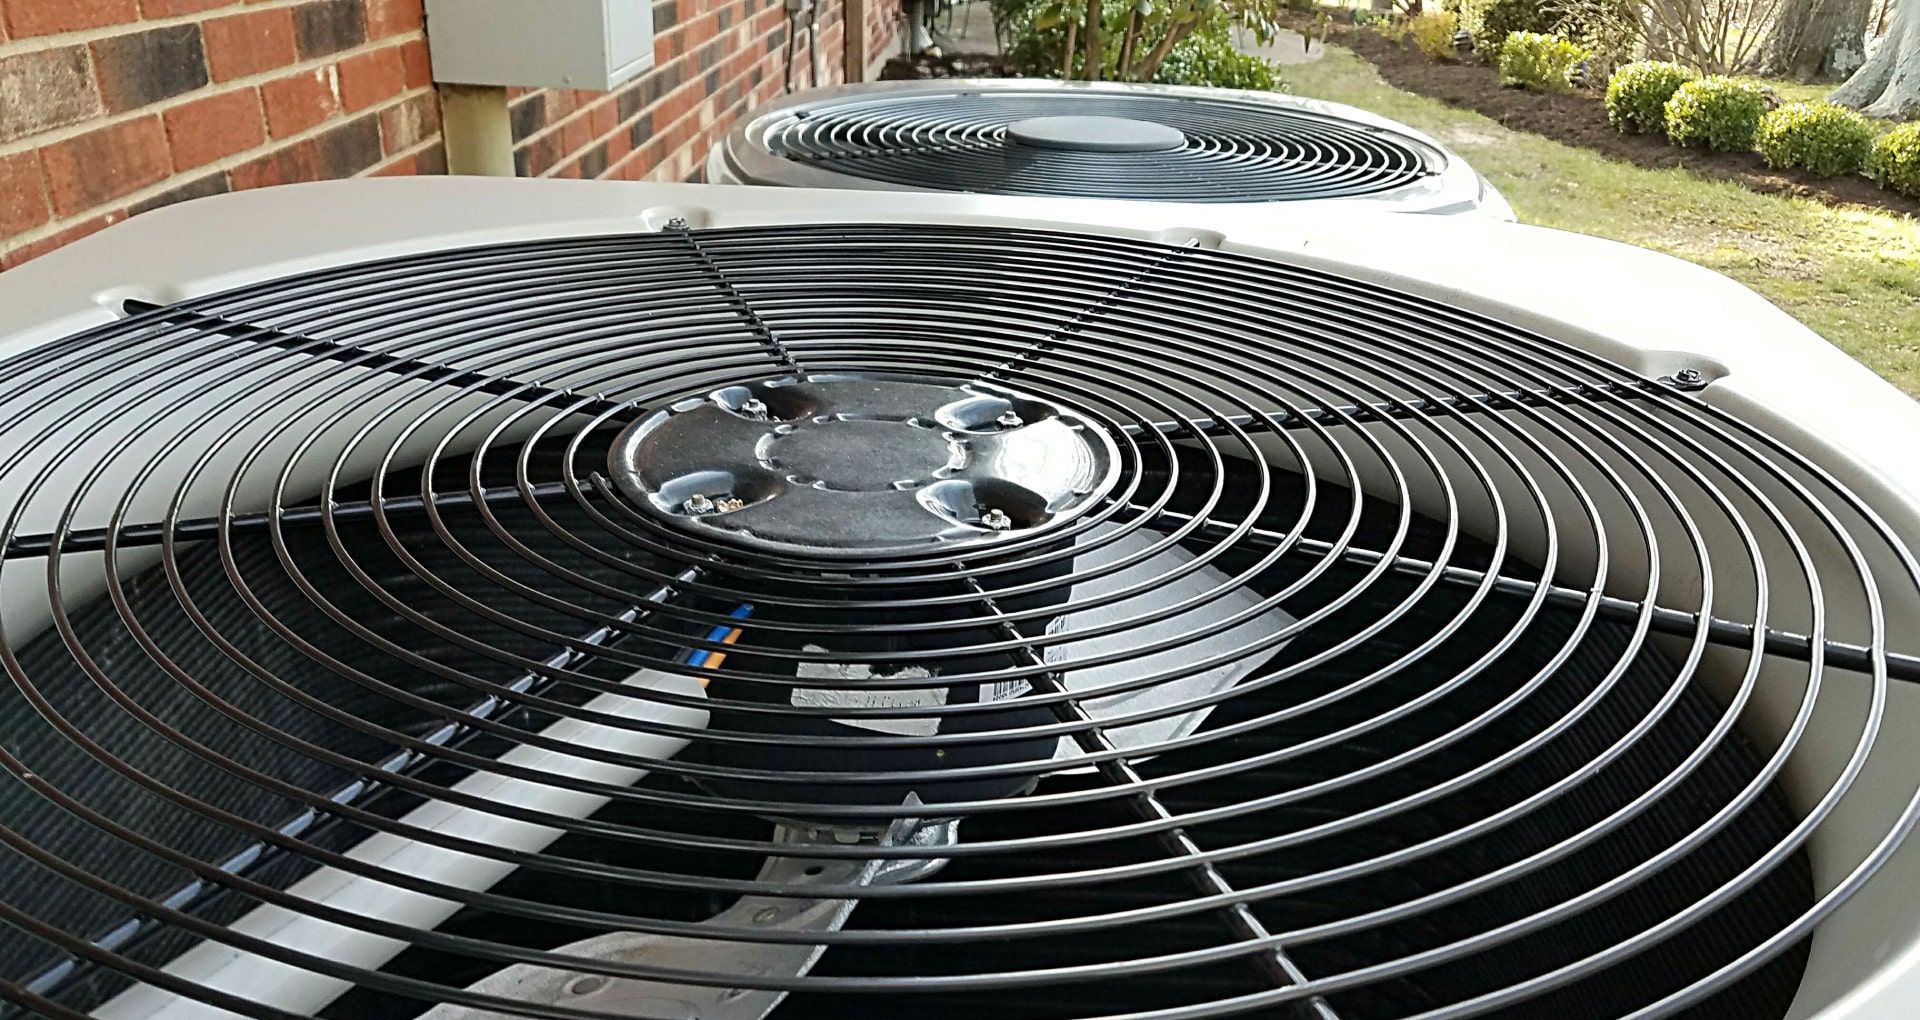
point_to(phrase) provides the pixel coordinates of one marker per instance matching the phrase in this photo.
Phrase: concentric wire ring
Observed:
(317, 552)
(1234, 150)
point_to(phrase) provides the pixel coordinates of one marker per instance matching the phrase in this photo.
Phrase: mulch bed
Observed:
(956, 65)
(1582, 120)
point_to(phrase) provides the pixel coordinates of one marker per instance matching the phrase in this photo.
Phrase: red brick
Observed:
(402, 167)
(577, 135)
(299, 101)
(431, 161)
(95, 168)
(406, 124)
(414, 56)
(290, 165)
(217, 126)
(604, 119)
(169, 8)
(246, 44)
(392, 17)
(23, 195)
(619, 146)
(138, 69)
(45, 89)
(372, 78)
(43, 17)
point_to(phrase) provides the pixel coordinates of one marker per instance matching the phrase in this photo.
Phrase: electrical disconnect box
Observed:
(571, 44)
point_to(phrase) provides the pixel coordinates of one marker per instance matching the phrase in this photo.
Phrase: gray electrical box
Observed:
(568, 44)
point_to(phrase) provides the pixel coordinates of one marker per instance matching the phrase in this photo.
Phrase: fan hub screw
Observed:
(1010, 420)
(698, 504)
(755, 408)
(1689, 377)
(996, 519)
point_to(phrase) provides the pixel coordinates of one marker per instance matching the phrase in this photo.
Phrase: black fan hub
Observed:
(1095, 134)
(844, 466)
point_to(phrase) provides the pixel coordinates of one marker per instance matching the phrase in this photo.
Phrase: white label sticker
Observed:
(860, 698)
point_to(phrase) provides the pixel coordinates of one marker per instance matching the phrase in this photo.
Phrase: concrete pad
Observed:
(1287, 47)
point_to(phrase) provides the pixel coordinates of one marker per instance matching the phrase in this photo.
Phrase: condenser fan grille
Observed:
(1185, 634)
(1096, 145)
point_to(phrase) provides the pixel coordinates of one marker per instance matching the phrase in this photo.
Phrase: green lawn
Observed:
(1850, 273)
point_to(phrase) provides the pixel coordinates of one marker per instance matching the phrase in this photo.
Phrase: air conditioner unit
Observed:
(1267, 154)
(469, 598)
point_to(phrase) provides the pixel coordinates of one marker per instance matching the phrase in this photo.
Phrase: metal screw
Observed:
(698, 504)
(586, 986)
(996, 519)
(754, 408)
(730, 504)
(677, 223)
(1689, 377)
(1010, 420)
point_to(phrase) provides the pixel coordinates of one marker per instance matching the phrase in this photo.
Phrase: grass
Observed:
(1852, 274)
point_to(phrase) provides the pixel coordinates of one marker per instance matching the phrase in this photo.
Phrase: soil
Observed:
(953, 65)
(1581, 119)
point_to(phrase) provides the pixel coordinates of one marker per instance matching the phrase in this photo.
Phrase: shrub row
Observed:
(1717, 112)
(1729, 115)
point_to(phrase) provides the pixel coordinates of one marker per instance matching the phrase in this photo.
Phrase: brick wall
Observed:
(713, 61)
(109, 108)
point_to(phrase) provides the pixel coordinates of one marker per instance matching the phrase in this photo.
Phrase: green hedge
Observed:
(1716, 112)
(1895, 162)
(1539, 62)
(1637, 94)
(1824, 139)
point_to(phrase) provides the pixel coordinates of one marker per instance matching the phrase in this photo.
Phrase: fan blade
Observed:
(291, 988)
(1088, 680)
(719, 956)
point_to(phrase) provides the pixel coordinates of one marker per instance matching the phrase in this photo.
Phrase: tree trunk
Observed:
(1889, 84)
(1819, 38)
(1094, 55)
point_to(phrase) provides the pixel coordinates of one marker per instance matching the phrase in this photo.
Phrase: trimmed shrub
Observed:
(1824, 139)
(1210, 58)
(1432, 33)
(1491, 21)
(1539, 62)
(1895, 162)
(1035, 34)
(1637, 94)
(1716, 112)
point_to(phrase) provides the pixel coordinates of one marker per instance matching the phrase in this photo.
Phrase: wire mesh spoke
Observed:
(1038, 349)
(1093, 738)
(761, 331)
(135, 536)
(360, 357)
